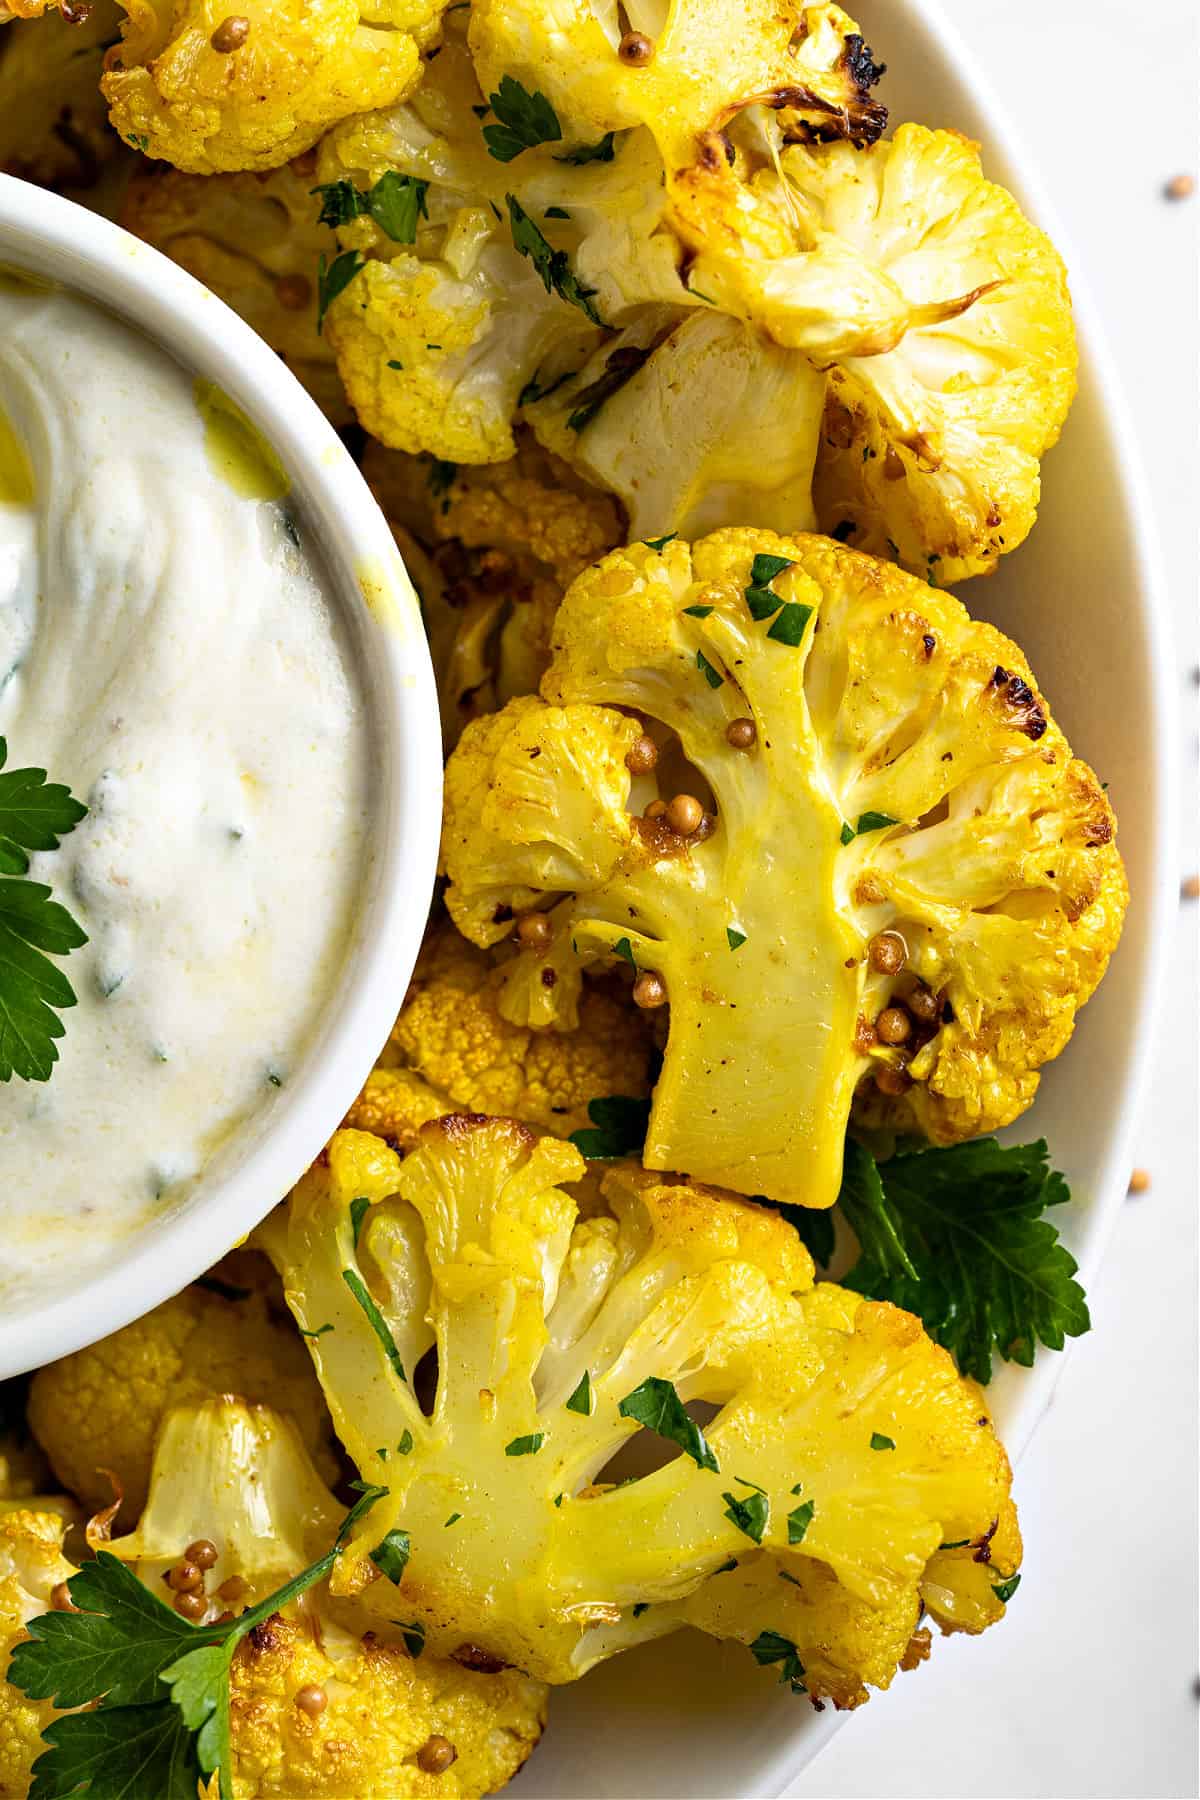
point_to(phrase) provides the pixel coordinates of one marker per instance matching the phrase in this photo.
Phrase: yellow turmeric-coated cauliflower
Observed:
(845, 1450)
(940, 312)
(395, 1724)
(880, 817)
(255, 240)
(54, 126)
(31, 1566)
(452, 1050)
(803, 68)
(214, 93)
(99, 1409)
(493, 549)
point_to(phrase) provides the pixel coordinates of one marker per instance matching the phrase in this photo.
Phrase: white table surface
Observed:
(1089, 1686)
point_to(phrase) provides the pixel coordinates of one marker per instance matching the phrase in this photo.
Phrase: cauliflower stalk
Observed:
(98, 1411)
(214, 94)
(558, 1339)
(879, 766)
(240, 1477)
(452, 1050)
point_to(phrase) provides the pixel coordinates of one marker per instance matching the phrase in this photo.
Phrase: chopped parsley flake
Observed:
(414, 1637)
(749, 1515)
(641, 1607)
(656, 1405)
(405, 1444)
(799, 1520)
(1004, 1590)
(581, 1399)
(553, 266)
(391, 1556)
(624, 949)
(359, 1207)
(619, 1127)
(452, 1520)
(526, 120)
(790, 624)
(697, 612)
(378, 1323)
(772, 1647)
(736, 938)
(395, 203)
(333, 279)
(319, 1332)
(661, 543)
(880, 1442)
(590, 153)
(526, 1446)
(711, 675)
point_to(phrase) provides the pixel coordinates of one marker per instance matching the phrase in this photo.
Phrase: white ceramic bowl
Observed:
(687, 1719)
(366, 578)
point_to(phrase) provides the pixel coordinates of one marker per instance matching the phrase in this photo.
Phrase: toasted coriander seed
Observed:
(741, 734)
(191, 1606)
(294, 292)
(893, 1025)
(685, 814)
(1190, 887)
(60, 1598)
(436, 1754)
(1180, 187)
(642, 755)
(230, 34)
(312, 1700)
(185, 1578)
(656, 810)
(534, 931)
(888, 952)
(232, 1590)
(203, 1553)
(636, 49)
(892, 1081)
(924, 1005)
(649, 990)
(1139, 1181)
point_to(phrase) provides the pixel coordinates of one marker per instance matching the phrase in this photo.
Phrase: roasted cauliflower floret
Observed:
(803, 68)
(255, 240)
(490, 550)
(99, 1410)
(240, 1477)
(940, 312)
(53, 121)
(214, 94)
(870, 763)
(32, 1565)
(451, 1050)
(557, 1340)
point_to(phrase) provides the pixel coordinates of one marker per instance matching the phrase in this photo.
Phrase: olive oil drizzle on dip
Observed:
(168, 649)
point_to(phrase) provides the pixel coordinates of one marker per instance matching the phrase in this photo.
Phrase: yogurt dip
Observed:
(169, 650)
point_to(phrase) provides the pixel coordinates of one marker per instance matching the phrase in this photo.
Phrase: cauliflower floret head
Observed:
(559, 1339)
(216, 93)
(493, 549)
(452, 1050)
(53, 121)
(99, 1410)
(803, 67)
(872, 765)
(940, 312)
(240, 1477)
(255, 240)
(31, 1566)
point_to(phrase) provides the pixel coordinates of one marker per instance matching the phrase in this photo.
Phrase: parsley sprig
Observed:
(553, 266)
(395, 202)
(159, 1685)
(35, 814)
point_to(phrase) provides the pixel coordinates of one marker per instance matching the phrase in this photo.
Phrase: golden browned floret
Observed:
(255, 240)
(214, 92)
(490, 550)
(53, 119)
(451, 1050)
(99, 1409)
(348, 1719)
(32, 1566)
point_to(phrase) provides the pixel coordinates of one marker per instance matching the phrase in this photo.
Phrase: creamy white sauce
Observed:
(168, 651)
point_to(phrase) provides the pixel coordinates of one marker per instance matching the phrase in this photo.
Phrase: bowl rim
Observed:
(933, 20)
(45, 234)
